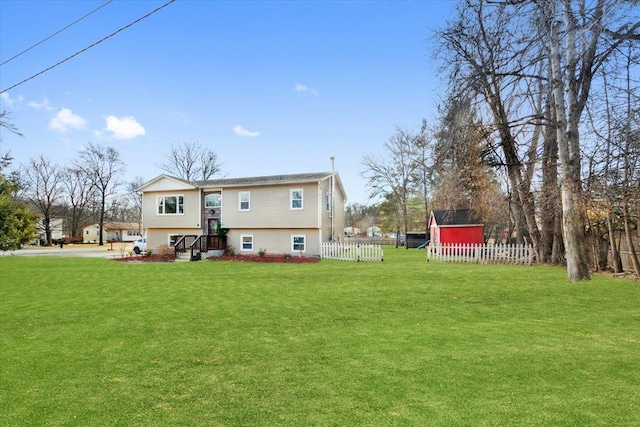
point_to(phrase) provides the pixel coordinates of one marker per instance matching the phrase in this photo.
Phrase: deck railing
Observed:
(201, 246)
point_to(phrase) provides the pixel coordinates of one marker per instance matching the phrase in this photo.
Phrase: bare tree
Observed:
(423, 175)
(630, 143)
(103, 167)
(391, 176)
(135, 199)
(488, 56)
(5, 123)
(573, 33)
(43, 188)
(78, 201)
(191, 161)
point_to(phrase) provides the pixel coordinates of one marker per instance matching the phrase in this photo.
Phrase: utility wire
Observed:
(56, 33)
(88, 47)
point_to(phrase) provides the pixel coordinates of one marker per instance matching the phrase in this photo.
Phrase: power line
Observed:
(88, 47)
(56, 33)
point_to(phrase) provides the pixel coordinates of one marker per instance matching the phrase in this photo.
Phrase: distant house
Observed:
(455, 227)
(374, 231)
(351, 231)
(55, 226)
(116, 231)
(281, 214)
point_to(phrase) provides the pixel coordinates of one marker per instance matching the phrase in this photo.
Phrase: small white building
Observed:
(351, 231)
(55, 225)
(374, 231)
(116, 231)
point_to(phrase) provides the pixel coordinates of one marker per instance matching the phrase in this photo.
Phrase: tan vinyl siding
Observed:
(275, 241)
(270, 207)
(190, 218)
(339, 217)
(324, 188)
(338, 210)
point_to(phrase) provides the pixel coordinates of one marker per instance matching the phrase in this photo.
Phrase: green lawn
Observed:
(92, 342)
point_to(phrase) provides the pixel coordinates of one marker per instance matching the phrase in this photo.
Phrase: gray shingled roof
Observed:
(263, 180)
(456, 217)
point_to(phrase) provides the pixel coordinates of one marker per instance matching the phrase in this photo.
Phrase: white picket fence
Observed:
(485, 254)
(358, 252)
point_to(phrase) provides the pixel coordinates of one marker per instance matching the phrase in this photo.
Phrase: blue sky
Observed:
(273, 87)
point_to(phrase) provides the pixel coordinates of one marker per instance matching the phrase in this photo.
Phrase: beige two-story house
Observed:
(281, 214)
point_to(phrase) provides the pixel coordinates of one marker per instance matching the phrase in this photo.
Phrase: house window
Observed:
(172, 239)
(327, 202)
(298, 243)
(244, 201)
(246, 242)
(170, 205)
(213, 200)
(296, 199)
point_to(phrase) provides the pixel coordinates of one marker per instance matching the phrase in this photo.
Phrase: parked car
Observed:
(140, 246)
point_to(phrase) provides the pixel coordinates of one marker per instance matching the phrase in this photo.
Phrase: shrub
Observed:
(164, 250)
(286, 255)
(262, 252)
(230, 251)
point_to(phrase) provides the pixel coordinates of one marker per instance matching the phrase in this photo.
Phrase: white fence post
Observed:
(486, 254)
(358, 252)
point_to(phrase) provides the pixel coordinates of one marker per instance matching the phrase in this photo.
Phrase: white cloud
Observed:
(65, 120)
(239, 130)
(304, 88)
(125, 127)
(8, 100)
(44, 105)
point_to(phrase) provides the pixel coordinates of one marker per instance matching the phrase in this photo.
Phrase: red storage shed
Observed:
(454, 227)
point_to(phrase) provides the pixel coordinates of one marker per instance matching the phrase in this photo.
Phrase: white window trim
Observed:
(242, 236)
(301, 190)
(327, 202)
(164, 204)
(240, 193)
(293, 237)
(219, 201)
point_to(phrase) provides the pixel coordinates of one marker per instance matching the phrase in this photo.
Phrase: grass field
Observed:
(92, 342)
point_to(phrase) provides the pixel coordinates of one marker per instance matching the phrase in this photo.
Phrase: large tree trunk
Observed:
(549, 206)
(628, 234)
(615, 250)
(524, 196)
(103, 204)
(568, 145)
(47, 231)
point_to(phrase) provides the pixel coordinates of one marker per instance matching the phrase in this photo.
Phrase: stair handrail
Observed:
(197, 244)
(180, 246)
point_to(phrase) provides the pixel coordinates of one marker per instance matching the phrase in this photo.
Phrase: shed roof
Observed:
(456, 217)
